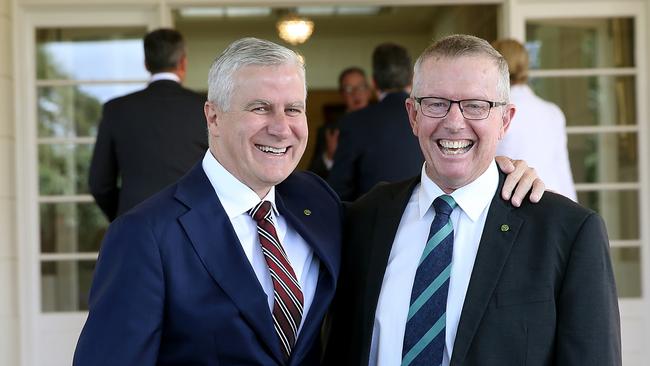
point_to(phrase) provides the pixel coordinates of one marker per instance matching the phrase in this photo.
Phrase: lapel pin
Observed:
(307, 212)
(505, 228)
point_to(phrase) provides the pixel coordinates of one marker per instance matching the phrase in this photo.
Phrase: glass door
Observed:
(78, 64)
(592, 66)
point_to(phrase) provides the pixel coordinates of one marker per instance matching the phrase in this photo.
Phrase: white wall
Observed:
(8, 260)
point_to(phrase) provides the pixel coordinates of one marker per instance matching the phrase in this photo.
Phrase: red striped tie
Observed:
(287, 295)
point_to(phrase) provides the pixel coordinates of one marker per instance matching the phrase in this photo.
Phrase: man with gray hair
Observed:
(440, 270)
(236, 263)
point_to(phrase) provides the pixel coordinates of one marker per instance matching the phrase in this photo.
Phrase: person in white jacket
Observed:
(537, 133)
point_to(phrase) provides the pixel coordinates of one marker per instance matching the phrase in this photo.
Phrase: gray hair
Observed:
(246, 52)
(459, 45)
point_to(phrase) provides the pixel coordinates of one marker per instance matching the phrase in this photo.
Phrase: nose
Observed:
(279, 125)
(454, 119)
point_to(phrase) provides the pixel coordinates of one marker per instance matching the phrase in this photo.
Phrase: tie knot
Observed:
(261, 211)
(444, 205)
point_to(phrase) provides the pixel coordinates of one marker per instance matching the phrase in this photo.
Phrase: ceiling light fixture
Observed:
(294, 29)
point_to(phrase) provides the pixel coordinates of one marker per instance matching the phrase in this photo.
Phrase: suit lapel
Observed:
(306, 225)
(495, 245)
(216, 243)
(387, 219)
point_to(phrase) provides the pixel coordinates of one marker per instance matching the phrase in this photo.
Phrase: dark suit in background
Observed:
(541, 293)
(150, 138)
(375, 144)
(146, 141)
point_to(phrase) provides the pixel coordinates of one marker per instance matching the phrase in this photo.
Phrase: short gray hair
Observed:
(459, 45)
(246, 52)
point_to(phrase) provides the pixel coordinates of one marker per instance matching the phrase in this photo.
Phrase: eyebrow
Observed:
(296, 105)
(257, 102)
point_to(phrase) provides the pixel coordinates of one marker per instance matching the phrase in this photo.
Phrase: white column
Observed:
(9, 331)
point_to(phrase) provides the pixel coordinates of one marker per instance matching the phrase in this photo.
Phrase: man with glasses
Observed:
(440, 270)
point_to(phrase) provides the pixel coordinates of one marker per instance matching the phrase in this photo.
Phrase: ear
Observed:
(411, 109)
(212, 114)
(506, 118)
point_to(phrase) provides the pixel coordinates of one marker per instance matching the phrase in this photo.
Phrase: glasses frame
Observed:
(452, 102)
(349, 89)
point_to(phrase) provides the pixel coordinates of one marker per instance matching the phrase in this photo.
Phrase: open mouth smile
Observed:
(272, 150)
(454, 147)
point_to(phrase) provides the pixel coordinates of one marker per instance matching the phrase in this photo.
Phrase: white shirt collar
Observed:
(235, 197)
(164, 76)
(472, 198)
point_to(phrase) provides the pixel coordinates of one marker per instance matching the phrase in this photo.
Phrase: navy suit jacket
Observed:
(541, 292)
(173, 286)
(376, 144)
(146, 141)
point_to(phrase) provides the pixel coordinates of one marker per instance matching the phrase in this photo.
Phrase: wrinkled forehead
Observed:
(270, 82)
(446, 71)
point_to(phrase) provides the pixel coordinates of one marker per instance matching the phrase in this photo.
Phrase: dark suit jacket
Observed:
(541, 292)
(173, 286)
(146, 141)
(376, 144)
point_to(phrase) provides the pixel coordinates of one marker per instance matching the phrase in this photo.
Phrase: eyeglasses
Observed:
(472, 109)
(350, 89)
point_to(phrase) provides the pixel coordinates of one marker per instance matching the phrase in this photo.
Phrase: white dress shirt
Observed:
(468, 219)
(237, 199)
(164, 76)
(537, 134)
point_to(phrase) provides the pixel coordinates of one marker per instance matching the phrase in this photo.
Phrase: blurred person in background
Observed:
(376, 143)
(537, 134)
(150, 138)
(356, 94)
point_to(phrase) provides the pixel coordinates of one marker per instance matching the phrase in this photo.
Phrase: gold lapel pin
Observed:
(505, 227)
(307, 212)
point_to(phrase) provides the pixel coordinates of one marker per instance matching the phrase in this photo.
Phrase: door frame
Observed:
(36, 326)
(635, 317)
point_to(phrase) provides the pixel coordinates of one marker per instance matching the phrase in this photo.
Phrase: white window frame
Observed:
(40, 329)
(635, 317)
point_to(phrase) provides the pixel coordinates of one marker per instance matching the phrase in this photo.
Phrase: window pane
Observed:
(63, 168)
(627, 271)
(580, 43)
(619, 209)
(591, 101)
(604, 157)
(90, 53)
(74, 111)
(71, 227)
(65, 285)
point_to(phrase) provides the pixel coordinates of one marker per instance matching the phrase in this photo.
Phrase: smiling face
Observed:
(456, 150)
(262, 136)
